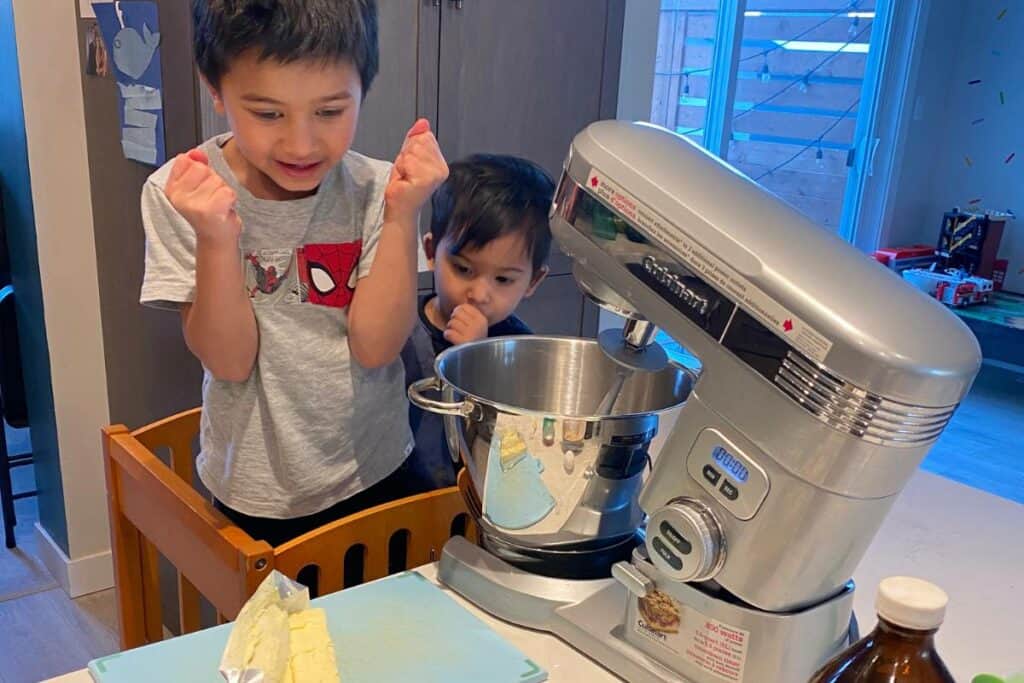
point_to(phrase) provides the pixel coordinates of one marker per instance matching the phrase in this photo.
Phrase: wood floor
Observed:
(43, 633)
(983, 446)
(46, 634)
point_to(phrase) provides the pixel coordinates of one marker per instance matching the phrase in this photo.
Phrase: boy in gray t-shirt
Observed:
(293, 263)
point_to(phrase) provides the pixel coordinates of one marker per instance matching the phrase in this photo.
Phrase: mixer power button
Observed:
(666, 554)
(675, 538)
(711, 474)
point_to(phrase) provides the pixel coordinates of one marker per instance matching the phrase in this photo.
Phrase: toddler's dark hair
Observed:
(490, 195)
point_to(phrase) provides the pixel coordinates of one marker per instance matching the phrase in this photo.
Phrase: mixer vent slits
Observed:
(856, 411)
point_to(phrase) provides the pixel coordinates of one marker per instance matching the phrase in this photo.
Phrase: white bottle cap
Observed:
(911, 603)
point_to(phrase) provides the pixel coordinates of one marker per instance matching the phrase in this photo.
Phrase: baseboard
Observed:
(77, 577)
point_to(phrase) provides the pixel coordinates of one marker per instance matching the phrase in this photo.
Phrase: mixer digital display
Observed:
(731, 464)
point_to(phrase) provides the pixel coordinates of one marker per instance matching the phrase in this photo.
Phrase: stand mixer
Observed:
(824, 381)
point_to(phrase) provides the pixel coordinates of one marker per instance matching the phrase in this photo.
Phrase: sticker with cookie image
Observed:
(660, 611)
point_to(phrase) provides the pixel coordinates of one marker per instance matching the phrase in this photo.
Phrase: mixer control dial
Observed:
(685, 541)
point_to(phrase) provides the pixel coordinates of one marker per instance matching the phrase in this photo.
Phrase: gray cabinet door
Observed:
(523, 78)
(556, 307)
(406, 86)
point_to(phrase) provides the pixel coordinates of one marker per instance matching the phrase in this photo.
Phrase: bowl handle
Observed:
(457, 408)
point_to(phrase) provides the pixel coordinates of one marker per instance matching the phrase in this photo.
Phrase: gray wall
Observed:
(21, 235)
(150, 372)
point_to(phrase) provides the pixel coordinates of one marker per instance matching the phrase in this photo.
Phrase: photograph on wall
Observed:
(96, 57)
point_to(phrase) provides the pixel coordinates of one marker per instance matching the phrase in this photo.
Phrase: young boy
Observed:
(292, 261)
(488, 247)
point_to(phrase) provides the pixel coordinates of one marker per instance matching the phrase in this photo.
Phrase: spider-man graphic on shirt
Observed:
(326, 272)
(321, 274)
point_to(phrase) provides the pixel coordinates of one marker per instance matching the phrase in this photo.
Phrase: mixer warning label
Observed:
(706, 644)
(715, 271)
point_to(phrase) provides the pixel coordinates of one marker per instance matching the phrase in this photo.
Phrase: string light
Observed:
(784, 43)
(819, 157)
(766, 74)
(804, 83)
(781, 91)
(816, 141)
(686, 84)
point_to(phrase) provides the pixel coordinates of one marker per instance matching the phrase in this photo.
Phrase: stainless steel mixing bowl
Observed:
(555, 479)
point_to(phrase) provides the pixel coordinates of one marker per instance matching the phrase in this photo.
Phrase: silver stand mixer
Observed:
(824, 381)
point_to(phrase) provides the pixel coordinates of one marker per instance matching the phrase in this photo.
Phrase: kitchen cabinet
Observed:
(502, 77)
(558, 308)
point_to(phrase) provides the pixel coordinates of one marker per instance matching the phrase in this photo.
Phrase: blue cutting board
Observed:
(402, 628)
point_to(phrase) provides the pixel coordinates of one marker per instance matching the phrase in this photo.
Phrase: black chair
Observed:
(13, 410)
(13, 406)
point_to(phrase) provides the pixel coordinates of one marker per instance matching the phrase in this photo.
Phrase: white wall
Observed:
(999, 185)
(639, 49)
(50, 68)
(963, 42)
(912, 218)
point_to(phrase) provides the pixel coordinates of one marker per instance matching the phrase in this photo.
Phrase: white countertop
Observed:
(967, 541)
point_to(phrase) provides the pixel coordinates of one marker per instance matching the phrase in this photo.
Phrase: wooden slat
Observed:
(429, 534)
(376, 559)
(332, 572)
(824, 213)
(469, 496)
(428, 518)
(822, 95)
(151, 593)
(188, 606)
(813, 5)
(802, 126)
(802, 183)
(845, 65)
(697, 25)
(835, 30)
(750, 153)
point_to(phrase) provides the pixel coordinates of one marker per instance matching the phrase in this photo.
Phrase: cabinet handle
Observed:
(436, 3)
(457, 3)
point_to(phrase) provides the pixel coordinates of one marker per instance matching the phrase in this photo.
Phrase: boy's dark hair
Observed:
(286, 31)
(490, 195)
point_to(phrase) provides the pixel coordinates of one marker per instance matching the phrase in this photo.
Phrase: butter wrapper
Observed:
(258, 649)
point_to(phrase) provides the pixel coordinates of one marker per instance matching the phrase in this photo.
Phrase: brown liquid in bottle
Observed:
(889, 654)
(901, 649)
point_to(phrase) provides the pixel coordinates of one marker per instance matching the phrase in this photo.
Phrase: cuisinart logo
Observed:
(647, 630)
(672, 282)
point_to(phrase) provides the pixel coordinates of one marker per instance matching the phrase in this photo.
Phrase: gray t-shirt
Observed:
(310, 427)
